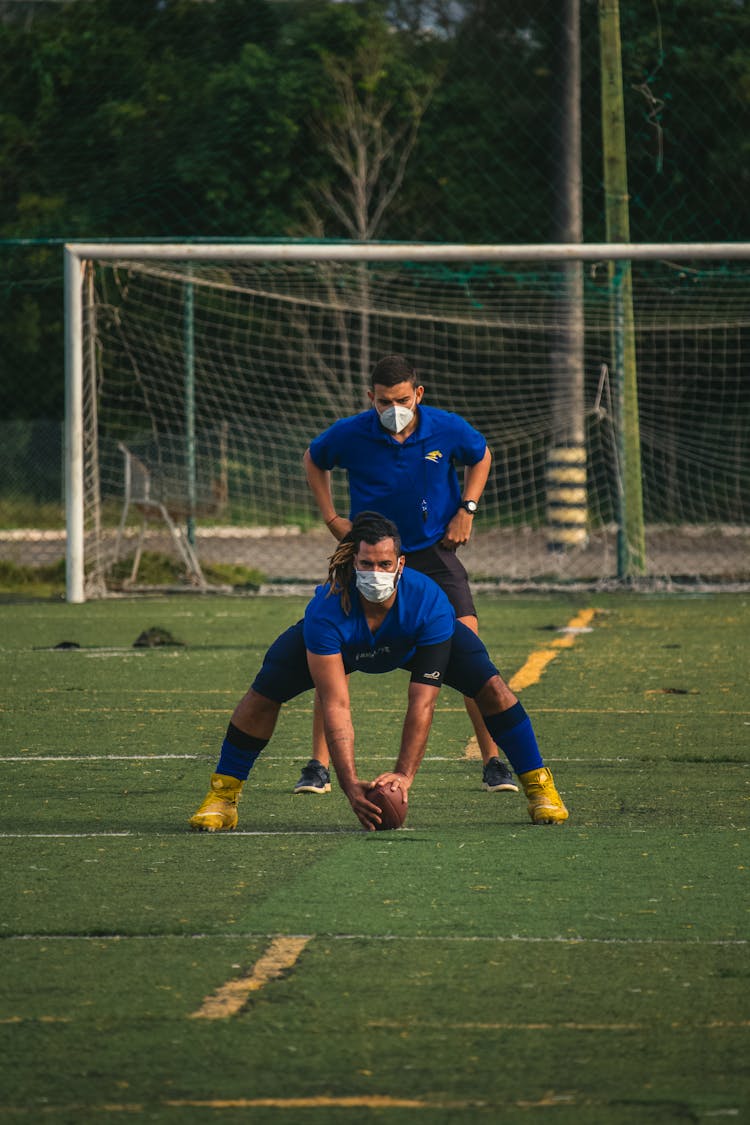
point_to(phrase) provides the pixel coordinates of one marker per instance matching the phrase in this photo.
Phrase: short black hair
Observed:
(393, 369)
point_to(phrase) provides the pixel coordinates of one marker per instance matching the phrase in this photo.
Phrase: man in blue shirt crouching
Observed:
(374, 616)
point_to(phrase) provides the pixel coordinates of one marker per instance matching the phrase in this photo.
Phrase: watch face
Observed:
(470, 505)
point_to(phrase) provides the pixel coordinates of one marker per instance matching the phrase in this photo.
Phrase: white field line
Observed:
(451, 939)
(562, 1025)
(185, 834)
(238, 833)
(398, 710)
(103, 758)
(62, 758)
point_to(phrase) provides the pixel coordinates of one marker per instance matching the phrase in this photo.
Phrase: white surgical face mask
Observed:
(376, 585)
(397, 418)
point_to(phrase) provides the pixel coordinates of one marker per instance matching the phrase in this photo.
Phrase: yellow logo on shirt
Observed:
(434, 456)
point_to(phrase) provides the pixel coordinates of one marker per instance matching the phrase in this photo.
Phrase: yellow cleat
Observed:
(545, 803)
(218, 813)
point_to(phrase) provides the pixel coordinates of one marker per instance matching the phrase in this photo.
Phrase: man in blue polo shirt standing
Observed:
(400, 457)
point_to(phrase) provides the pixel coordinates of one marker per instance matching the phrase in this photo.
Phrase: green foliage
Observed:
(31, 454)
(233, 574)
(156, 569)
(35, 581)
(23, 511)
(189, 119)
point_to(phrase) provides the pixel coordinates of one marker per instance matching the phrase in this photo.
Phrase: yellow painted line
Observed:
(372, 1101)
(531, 672)
(363, 1101)
(281, 954)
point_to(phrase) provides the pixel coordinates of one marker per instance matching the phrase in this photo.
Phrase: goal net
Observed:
(197, 383)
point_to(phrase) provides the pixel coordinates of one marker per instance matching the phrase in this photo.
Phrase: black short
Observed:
(285, 672)
(445, 568)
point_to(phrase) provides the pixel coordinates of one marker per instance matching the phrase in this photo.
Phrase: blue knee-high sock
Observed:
(238, 752)
(514, 734)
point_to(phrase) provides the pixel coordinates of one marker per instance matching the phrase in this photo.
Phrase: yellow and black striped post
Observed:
(567, 507)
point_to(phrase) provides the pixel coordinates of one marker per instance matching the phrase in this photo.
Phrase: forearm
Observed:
(475, 477)
(460, 527)
(339, 731)
(329, 676)
(414, 736)
(319, 481)
(340, 738)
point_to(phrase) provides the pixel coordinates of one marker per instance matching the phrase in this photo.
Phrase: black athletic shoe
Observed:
(497, 778)
(315, 778)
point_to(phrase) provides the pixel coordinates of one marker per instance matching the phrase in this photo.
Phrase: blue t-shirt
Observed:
(414, 482)
(421, 615)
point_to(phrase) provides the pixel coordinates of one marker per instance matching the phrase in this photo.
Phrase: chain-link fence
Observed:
(31, 463)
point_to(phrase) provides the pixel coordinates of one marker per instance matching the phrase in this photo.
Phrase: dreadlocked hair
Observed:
(367, 527)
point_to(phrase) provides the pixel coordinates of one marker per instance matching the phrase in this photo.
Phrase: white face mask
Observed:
(397, 418)
(376, 585)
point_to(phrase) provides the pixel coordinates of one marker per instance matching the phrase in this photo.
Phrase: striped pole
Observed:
(566, 497)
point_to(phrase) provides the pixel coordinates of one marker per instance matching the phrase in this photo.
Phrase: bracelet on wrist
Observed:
(332, 520)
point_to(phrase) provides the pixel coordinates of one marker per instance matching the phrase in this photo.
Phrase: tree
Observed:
(402, 119)
(368, 129)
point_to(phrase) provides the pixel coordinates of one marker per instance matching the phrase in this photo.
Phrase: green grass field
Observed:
(471, 967)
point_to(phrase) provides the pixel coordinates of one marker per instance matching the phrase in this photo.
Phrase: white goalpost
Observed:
(611, 383)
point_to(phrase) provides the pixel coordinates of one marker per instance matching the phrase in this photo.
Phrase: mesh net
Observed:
(214, 377)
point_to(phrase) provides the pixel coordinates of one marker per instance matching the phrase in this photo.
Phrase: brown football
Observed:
(392, 804)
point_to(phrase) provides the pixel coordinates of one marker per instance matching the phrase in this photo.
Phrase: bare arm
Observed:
(319, 481)
(416, 731)
(329, 677)
(459, 529)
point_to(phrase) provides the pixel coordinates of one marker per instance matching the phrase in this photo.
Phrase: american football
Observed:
(392, 804)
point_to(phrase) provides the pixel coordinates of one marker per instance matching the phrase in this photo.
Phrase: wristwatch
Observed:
(469, 506)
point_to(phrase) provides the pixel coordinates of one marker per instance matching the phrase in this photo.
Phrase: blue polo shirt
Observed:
(414, 482)
(421, 615)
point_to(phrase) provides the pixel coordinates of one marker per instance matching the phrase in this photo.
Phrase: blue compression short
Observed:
(285, 674)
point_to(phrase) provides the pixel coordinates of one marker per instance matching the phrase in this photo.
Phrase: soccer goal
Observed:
(611, 383)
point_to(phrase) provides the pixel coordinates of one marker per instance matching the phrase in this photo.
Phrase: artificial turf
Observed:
(469, 967)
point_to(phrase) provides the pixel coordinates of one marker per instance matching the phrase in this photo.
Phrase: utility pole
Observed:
(567, 506)
(631, 543)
